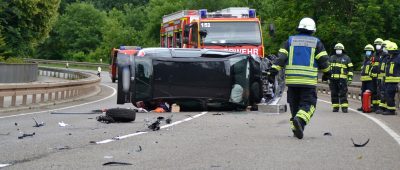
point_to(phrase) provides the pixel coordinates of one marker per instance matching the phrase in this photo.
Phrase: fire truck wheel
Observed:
(121, 114)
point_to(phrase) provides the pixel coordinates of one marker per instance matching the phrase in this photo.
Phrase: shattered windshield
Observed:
(232, 32)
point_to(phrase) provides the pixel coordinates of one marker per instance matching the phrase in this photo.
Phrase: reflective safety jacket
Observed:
(365, 71)
(392, 69)
(302, 56)
(341, 67)
(382, 64)
(374, 67)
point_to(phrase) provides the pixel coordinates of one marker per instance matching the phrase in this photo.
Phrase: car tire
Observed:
(255, 96)
(121, 114)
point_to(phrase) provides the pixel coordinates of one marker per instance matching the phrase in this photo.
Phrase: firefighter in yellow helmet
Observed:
(392, 78)
(384, 58)
(366, 79)
(341, 75)
(374, 73)
(302, 55)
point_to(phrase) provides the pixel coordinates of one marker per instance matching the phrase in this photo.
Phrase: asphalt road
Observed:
(197, 140)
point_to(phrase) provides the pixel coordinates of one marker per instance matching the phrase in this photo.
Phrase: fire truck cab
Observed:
(234, 29)
(117, 53)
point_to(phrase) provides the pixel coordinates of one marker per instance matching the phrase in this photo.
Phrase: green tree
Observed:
(78, 30)
(26, 23)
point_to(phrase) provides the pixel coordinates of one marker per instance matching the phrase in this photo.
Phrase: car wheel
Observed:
(121, 114)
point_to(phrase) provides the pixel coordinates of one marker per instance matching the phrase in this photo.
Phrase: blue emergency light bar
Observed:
(203, 13)
(252, 13)
(130, 47)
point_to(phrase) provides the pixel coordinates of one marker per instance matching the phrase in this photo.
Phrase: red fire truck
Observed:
(232, 29)
(115, 53)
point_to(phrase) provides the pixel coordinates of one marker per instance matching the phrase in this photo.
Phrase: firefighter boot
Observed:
(389, 113)
(379, 111)
(335, 109)
(298, 127)
(344, 109)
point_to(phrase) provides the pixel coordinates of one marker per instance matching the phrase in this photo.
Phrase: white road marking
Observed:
(387, 129)
(4, 165)
(31, 113)
(140, 133)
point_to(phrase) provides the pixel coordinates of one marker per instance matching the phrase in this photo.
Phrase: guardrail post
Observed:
(13, 100)
(62, 94)
(24, 97)
(41, 97)
(56, 98)
(34, 98)
(1, 101)
(50, 96)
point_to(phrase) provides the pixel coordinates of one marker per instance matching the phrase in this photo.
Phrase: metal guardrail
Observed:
(31, 60)
(354, 92)
(18, 73)
(28, 94)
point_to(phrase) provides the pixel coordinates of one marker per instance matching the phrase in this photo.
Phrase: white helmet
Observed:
(308, 24)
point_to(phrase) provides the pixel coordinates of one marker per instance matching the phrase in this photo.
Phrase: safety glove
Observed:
(271, 74)
(349, 80)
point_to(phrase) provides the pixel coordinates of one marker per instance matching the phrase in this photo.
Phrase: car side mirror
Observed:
(271, 30)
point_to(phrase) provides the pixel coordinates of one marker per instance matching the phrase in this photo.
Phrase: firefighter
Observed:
(374, 73)
(341, 75)
(384, 58)
(379, 58)
(392, 78)
(301, 56)
(366, 79)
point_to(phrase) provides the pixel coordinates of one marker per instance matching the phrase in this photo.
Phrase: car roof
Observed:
(189, 52)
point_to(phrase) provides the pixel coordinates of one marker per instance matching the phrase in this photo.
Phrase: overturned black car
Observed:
(195, 79)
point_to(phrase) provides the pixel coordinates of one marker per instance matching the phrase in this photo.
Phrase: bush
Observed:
(14, 60)
(2, 59)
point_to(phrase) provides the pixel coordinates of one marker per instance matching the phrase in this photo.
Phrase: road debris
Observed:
(63, 148)
(359, 145)
(62, 124)
(116, 163)
(155, 125)
(108, 157)
(175, 108)
(169, 119)
(327, 134)
(92, 142)
(38, 124)
(141, 110)
(4, 134)
(26, 135)
(218, 113)
(16, 124)
(71, 113)
(140, 149)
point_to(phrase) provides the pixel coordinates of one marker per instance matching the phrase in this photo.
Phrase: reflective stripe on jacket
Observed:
(341, 67)
(392, 69)
(365, 69)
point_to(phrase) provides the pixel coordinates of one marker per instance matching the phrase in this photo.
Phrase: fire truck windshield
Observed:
(237, 33)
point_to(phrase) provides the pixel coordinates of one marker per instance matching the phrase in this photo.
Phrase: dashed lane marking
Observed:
(31, 113)
(4, 165)
(140, 133)
(386, 128)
